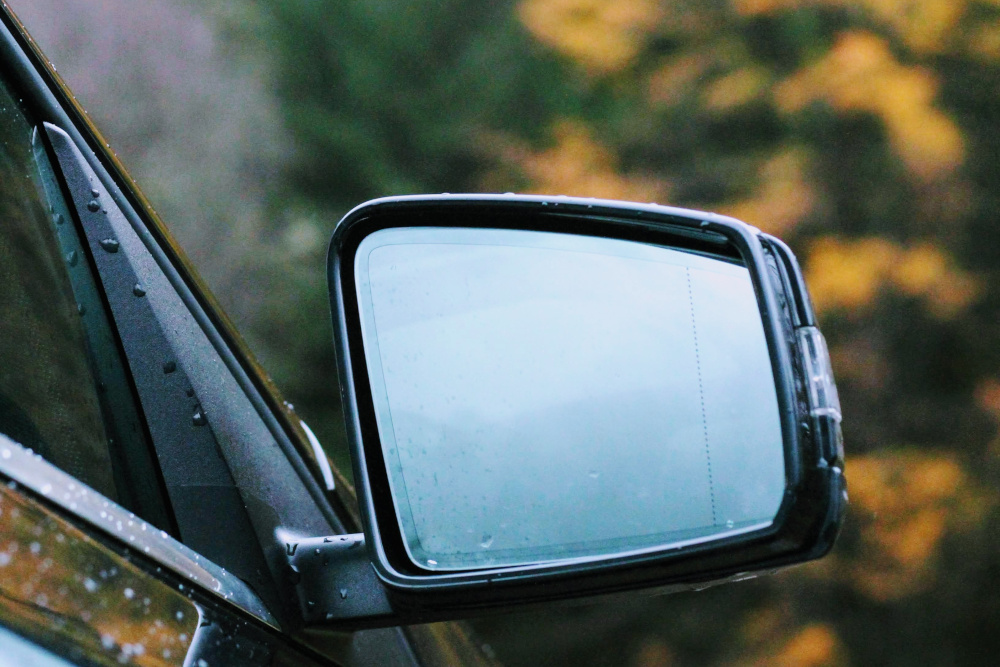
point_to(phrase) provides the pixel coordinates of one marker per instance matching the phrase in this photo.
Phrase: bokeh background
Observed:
(866, 133)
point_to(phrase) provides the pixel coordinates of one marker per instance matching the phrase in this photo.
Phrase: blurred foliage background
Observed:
(866, 133)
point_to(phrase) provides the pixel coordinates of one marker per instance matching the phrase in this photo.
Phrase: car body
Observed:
(163, 505)
(81, 570)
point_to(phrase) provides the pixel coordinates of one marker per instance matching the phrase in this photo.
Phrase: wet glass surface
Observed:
(48, 396)
(86, 601)
(543, 396)
(72, 594)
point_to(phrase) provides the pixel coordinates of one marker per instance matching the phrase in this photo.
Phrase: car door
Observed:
(153, 476)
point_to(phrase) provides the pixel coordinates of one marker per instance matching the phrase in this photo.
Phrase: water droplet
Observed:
(199, 418)
(93, 205)
(593, 474)
(179, 615)
(80, 308)
(58, 218)
(111, 245)
(730, 524)
(431, 561)
(107, 641)
(343, 593)
(486, 542)
(169, 367)
(129, 593)
(4, 558)
(90, 585)
(46, 489)
(95, 193)
(5, 453)
(138, 290)
(72, 258)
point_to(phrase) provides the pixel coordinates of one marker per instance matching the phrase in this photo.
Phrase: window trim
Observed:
(28, 469)
(31, 78)
(34, 79)
(132, 456)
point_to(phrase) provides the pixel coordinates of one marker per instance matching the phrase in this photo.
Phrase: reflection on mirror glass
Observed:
(546, 396)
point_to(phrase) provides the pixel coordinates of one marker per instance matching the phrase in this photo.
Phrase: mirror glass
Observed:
(544, 396)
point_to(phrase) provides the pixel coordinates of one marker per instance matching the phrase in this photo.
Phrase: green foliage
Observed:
(864, 133)
(397, 97)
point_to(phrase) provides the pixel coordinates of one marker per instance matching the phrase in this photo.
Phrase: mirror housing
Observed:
(810, 504)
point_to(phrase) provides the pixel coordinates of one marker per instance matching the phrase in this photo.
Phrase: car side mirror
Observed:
(558, 397)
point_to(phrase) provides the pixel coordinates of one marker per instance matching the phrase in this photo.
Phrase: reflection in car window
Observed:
(48, 397)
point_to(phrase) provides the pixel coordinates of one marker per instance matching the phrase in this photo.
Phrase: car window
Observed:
(48, 396)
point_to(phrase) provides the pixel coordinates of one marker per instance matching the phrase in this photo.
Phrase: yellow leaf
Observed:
(847, 275)
(860, 74)
(580, 166)
(813, 646)
(755, 7)
(985, 41)
(676, 78)
(926, 26)
(783, 198)
(602, 35)
(736, 89)
(988, 399)
(905, 501)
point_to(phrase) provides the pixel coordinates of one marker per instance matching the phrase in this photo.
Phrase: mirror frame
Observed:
(811, 511)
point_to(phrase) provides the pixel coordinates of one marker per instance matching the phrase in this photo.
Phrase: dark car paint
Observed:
(51, 101)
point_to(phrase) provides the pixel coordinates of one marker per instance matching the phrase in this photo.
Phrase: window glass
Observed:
(523, 380)
(48, 396)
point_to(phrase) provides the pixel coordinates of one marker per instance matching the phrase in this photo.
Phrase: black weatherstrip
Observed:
(208, 508)
(49, 101)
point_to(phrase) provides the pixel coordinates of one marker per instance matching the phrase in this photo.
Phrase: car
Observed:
(547, 398)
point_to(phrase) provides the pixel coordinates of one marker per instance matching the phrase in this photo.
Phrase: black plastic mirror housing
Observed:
(809, 507)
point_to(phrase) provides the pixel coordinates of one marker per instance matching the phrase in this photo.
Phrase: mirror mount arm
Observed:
(335, 583)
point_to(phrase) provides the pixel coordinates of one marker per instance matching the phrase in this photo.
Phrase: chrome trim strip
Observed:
(324, 463)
